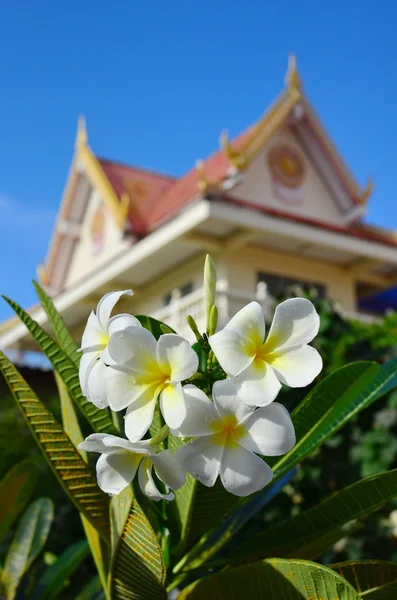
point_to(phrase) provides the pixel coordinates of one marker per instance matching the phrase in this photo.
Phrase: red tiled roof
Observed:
(143, 187)
(186, 188)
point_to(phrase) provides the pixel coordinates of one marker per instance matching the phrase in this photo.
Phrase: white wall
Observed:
(257, 186)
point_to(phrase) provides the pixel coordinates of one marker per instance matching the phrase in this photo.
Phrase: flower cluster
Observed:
(227, 411)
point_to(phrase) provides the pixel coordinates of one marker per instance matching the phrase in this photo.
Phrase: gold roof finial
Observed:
(292, 79)
(124, 208)
(81, 137)
(369, 188)
(237, 159)
(42, 275)
(202, 179)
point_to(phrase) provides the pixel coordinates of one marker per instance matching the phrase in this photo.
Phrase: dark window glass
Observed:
(184, 289)
(278, 285)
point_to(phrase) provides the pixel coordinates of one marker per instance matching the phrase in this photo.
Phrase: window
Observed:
(184, 290)
(278, 285)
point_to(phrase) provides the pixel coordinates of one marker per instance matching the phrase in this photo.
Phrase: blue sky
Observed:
(158, 81)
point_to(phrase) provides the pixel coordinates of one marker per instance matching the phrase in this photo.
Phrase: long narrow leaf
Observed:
(374, 579)
(54, 578)
(63, 458)
(137, 571)
(71, 427)
(211, 543)
(334, 401)
(62, 333)
(92, 591)
(29, 540)
(295, 536)
(273, 579)
(99, 420)
(16, 488)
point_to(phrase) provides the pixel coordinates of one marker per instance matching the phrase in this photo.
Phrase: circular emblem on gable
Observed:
(287, 172)
(286, 166)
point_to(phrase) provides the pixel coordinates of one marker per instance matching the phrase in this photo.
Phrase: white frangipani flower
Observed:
(120, 460)
(94, 346)
(146, 369)
(229, 434)
(260, 365)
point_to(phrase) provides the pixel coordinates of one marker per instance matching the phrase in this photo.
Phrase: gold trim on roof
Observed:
(292, 79)
(367, 193)
(202, 182)
(42, 275)
(118, 207)
(236, 158)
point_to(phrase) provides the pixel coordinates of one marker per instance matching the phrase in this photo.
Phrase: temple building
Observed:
(275, 206)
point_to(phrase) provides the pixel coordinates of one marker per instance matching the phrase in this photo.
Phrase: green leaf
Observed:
(374, 579)
(62, 333)
(29, 540)
(72, 429)
(99, 420)
(63, 458)
(152, 325)
(273, 579)
(16, 488)
(53, 580)
(296, 535)
(137, 570)
(91, 591)
(334, 401)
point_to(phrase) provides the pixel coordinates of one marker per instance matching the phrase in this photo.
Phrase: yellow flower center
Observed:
(227, 431)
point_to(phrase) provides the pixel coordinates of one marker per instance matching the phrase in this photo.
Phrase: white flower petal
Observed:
(134, 345)
(176, 357)
(258, 384)
(139, 417)
(94, 443)
(249, 322)
(299, 367)
(234, 352)
(269, 431)
(116, 471)
(87, 361)
(243, 473)
(106, 305)
(138, 447)
(202, 459)
(121, 322)
(227, 401)
(95, 389)
(200, 412)
(169, 469)
(122, 389)
(295, 323)
(146, 482)
(94, 334)
(172, 405)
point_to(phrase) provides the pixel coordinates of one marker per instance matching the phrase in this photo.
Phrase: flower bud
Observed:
(209, 286)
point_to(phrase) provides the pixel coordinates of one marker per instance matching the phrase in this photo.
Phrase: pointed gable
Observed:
(292, 114)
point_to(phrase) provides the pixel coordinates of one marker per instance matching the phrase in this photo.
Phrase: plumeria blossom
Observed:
(94, 346)
(229, 435)
(147, 369)
(121, 459)
(261, 366)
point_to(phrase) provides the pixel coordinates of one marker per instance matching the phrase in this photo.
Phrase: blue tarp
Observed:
(381, 302)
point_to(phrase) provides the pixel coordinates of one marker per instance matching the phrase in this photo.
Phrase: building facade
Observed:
(274, 207)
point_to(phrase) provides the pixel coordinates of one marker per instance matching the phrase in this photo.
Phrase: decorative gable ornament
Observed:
(287, 173)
